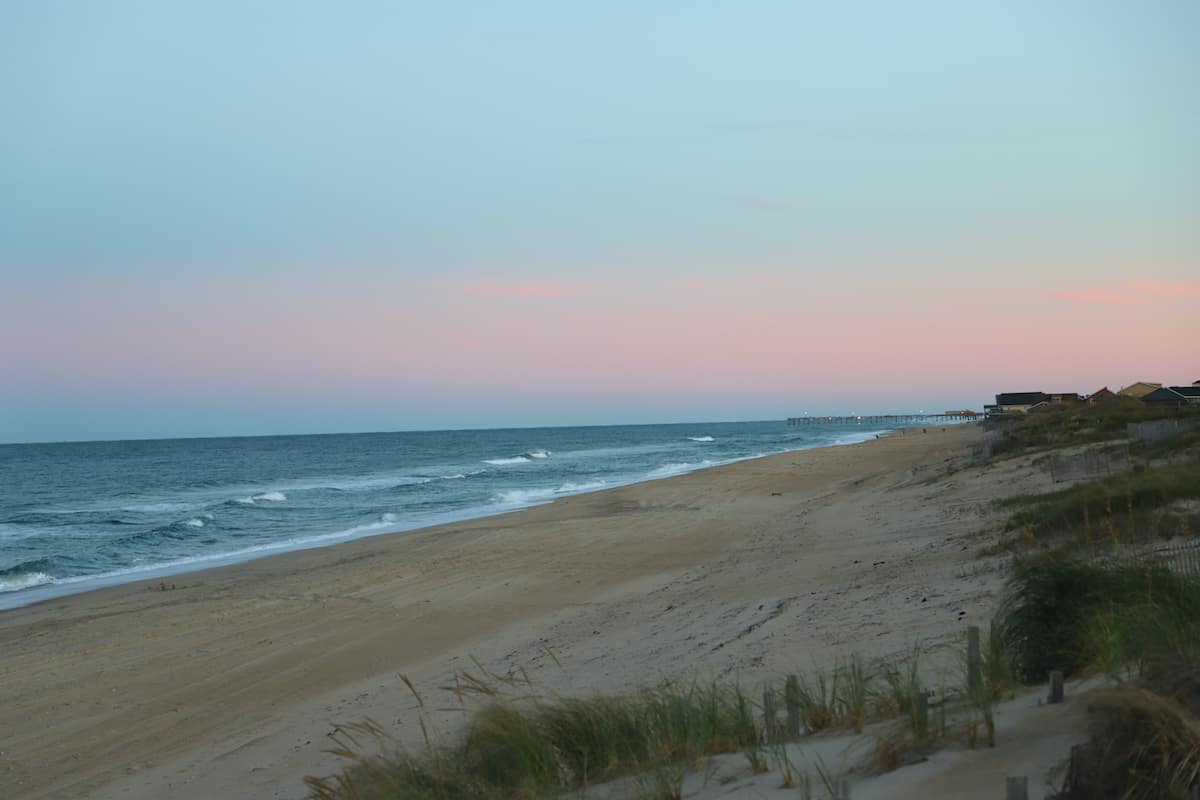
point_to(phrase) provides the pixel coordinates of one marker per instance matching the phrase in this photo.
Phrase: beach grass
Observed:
(1070, 613)
(1071, 425)
(536, 747)
(1143, 504)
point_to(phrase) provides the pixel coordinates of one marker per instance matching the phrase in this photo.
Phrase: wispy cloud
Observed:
(500, 287)
(1130, 294)
(1165, 289)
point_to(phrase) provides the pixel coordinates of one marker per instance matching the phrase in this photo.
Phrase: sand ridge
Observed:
(228, 684)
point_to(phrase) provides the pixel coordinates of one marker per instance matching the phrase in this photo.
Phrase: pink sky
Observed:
(771, 342)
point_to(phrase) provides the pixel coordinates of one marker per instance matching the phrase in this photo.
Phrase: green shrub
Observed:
(1056, 605)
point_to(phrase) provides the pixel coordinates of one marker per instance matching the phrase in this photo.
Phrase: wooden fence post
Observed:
(1056, 686)
(974, 660)
(769, 714)
(922, 716)
(841, 789)
(1016, 788)
(791, 699)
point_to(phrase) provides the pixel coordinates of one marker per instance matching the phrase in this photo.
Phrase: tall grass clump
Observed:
(529, 747)
(1143, 746)
(1058, 609)
(854, 690)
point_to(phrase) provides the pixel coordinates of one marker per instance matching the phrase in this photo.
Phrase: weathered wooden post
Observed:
(922, 715)
(1193, 793)
(974, 661)
(1016, 788)
(841, 789)
(791, 699)
(769, 714)
(1056, 686)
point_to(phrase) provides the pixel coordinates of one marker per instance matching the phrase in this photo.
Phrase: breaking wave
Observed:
(25, 580)
(680, 467)
(701, 439)
(500, 462)
(519, 497)
(264, 497)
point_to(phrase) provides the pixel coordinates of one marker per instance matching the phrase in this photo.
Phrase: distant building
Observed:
(1139, 389)
(1100, 395)
(1015, 403)
(1041, 408)
(1064, 398)
(1177, 396)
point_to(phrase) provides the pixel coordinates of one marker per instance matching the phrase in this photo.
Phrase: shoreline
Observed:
(226, 684)
(70, 586)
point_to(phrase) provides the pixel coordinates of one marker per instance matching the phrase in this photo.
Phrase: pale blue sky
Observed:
(580, 143)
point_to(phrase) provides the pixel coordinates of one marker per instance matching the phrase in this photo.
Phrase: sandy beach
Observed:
(225, 683)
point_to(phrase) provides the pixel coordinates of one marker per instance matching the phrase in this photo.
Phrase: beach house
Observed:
(1176, 396)
(1139, 389)
(1014, 403)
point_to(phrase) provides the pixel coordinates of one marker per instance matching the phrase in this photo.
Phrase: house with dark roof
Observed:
(1100, 396)
(1015, 403)
(1064, 398)
(1177, 396)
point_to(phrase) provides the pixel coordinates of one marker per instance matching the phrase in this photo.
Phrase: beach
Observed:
(226, 682)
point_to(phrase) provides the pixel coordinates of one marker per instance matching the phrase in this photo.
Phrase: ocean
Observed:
(81, 515)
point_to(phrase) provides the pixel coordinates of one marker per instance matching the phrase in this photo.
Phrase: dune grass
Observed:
(1070, 425)
(1143, 746)
(1069, 613)
(1131, 506)
(527, 747)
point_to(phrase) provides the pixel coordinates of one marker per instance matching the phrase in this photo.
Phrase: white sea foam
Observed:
(385, 521)
(271, 497)
(701, 438)
(679, 467)
(25, 581)
(500, 462)
(539, 454)
(244, 501)
(195, 522)
(518, 497)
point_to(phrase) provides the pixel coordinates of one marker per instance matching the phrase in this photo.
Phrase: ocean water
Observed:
(77, 516)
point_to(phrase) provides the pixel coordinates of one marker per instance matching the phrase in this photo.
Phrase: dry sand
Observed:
(227, 684)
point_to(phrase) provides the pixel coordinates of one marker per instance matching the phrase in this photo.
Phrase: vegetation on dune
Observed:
(1144, 746)
(1071, 614)
(1139, 622)
(535, 747)
(1069, 425)
(525, 746)
(1132, 506)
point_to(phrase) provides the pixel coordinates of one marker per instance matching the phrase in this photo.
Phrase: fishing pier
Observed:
(886, 419)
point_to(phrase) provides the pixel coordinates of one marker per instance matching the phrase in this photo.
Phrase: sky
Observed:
(238, 218)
